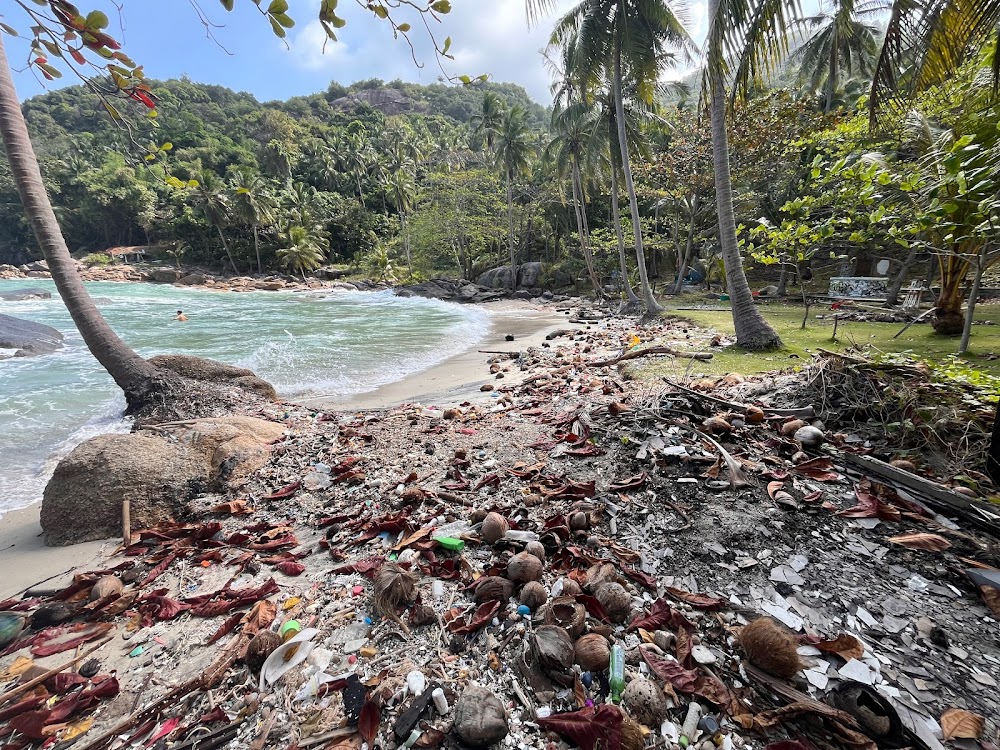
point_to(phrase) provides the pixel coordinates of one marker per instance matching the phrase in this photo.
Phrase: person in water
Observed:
(181, 316)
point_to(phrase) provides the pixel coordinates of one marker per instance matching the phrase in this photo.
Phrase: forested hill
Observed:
(323, 174)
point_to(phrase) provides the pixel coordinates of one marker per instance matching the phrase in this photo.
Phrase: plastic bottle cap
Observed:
(523, 609)
(289, 629)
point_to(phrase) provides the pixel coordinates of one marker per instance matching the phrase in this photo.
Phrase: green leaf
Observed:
(447, 46)
(465, 79)
(380, 11)
(285, 20)
(227, 4)
(277, 7)
(54, 72)
(166, 146)
(279, 31)
(403, 27)
(9, 29)
(96, 20)
(337, 22)
(441, 6)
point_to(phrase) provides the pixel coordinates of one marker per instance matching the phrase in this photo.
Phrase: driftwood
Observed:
(931, 493)
(636, 353)
(559, 332)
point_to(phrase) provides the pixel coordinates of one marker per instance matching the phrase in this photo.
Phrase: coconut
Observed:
(771, 648)
(260, 647)
(593, 653)
(578, 521)
(536, 549)
(615, 599)
(632, 737)
(809, 436)
(570, 588)
(600, 573)
(524, 567)
(645, 702)
(492, 589)
(533, 595)
(567, 613)
(788, 428)
(106, 586)
(494, 529)
(717, 426)
(552, 648)
(754, 415)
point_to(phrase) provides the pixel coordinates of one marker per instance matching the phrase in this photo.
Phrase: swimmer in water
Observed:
(181, 316)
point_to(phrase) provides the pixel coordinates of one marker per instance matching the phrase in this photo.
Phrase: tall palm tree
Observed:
(402, 188)
(488, 121)
(302, 248)
(572, 132)
(752, 33)
(211, 197)
(514, 150)
(253, 204)
(133, 374)
(355, 158)
(840, 46)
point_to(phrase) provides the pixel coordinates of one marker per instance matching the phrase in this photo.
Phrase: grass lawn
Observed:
(919, 340)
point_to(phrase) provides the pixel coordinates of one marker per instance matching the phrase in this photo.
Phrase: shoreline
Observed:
(28, 562)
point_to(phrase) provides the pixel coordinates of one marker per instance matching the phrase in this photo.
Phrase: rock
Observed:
(480, 719)
(269, 286)
(528, 274)
(164, 275)
(192, 279)
(389, 101)
(495, 278)
(37, 265)
(809, 436)
(769, 291)
(27, 337)
(19, 295)
(208, 370)
(38, 275)
(157, 475)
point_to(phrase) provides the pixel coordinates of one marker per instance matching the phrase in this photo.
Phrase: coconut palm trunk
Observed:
(752, 331)
(132, 373)
(617, 218)
(510, 231)
(831, 79)
(581, 220)
(647, 293)
(256, 247)
(225, 245)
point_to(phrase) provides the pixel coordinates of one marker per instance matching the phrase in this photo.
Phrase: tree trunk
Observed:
(688, 246)
(892, 293)
(647, 294)
(256, 247)
(510, 232)
(752, 331)
(131, 372)
(831, 80)
(963, 347)
(581, 222)
(226, 246)
(783, 281)
(616, 217)
(406, 243)
(947, 319)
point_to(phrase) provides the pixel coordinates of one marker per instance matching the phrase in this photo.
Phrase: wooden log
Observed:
(649, 351)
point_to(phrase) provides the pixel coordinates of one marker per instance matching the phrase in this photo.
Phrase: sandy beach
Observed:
(26, 561)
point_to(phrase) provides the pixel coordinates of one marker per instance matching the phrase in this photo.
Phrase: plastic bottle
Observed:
(617, 672)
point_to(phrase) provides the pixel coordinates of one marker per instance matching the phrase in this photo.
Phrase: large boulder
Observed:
(192, 279)
(164, 275)
(27, 337)
(37, 265)
(495, 278)
(157, 472)
(210, 371)
(19, 295)
(528, 274)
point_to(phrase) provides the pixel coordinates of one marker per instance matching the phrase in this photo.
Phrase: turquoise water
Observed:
(306, 343)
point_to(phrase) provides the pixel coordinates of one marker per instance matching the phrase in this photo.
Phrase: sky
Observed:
(170, 40)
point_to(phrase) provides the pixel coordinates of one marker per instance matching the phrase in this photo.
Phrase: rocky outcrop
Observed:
(164, 275)
(19, 295)
(387, 101)
(450, 290)
(158, 471)
(28, 338)
(210, 371)
(529, 276)
(192, 279)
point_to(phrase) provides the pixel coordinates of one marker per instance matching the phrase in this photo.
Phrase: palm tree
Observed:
(841, 45)
(926, 42)
(513, 156)
(752, 34)
(628, 38)
(253, 204)
(214, 204)
(302, 248)
(402, 194)
(355, 158)
(488, 122)
(572, 131)
(133, 374)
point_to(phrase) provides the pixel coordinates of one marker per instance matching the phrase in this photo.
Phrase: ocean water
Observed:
(307, 344)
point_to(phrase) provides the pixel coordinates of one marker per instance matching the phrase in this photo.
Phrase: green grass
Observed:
(919, 341)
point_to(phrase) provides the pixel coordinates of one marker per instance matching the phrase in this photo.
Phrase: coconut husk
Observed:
(259, 648)
(394, 588)
(771, 648)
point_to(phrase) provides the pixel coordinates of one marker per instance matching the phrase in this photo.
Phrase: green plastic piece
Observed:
(137, 651)
(450, 542)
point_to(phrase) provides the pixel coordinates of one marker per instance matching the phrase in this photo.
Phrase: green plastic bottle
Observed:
(617, 676)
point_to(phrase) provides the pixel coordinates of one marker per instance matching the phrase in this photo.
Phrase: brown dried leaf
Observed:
(845, 646)
(235, 508)
(957, 723)
(773, 487)
(369, 721)
(698, 601)
(929, 542)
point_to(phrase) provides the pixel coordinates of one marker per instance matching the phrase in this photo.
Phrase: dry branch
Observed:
(636, 353)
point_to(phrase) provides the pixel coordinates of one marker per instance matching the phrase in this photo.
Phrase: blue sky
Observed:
(169, 40)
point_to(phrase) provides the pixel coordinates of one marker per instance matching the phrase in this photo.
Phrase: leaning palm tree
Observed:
(514, 150)
(840, 45)
(302, 248)
(214, 203)
(133, 374)
(253, 204)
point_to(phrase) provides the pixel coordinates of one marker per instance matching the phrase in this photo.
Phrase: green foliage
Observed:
(97, 259)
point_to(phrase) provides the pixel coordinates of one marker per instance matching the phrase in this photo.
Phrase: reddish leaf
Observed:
(490, 480)
(213, 717)
(457, 624)
(870, 506)
(63, 682)
(160, 607)
(588, 726)
(820, 469)
(698, 601)
(158, 570)
(235, 508)
(166, 728)
(845, 646)
(290, 568)
(369, 721)
(59, 639)
(287, 491)
(773, 487)
(225, 628)
(631, 483)
(670, 671)
(643, 579)
(363, 567)
(594, 608)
